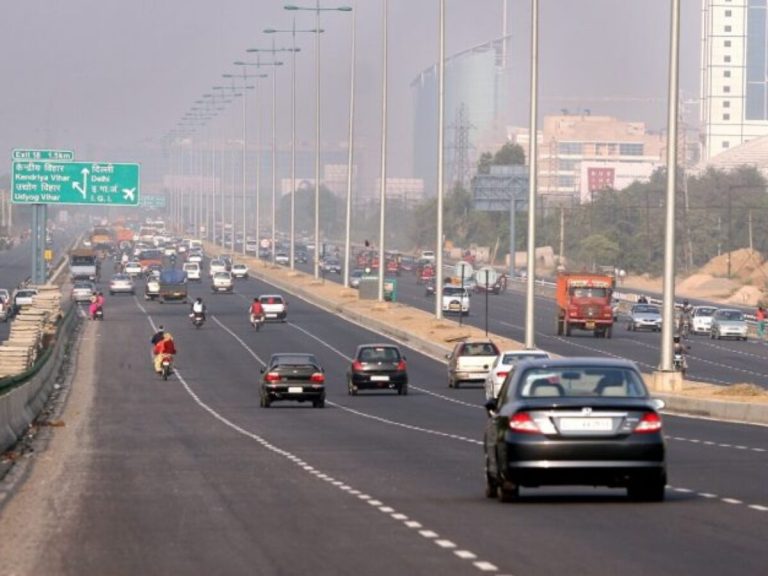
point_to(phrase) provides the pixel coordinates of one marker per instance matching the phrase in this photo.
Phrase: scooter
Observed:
(98, 314)
(166, 366)
(257, 321)
(198, 319)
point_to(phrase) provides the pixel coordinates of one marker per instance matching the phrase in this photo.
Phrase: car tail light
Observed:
(317, 378)
(401, 366)
(272, 377)
(501, 374)
(650, 422)
(522, 422)
(357, 366)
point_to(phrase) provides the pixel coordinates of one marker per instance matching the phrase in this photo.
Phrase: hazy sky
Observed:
(99, 76)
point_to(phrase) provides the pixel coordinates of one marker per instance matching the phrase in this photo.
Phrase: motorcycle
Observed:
(679, 363)
(166, 366)
(198, 319)
(98, 314)
(257, 321)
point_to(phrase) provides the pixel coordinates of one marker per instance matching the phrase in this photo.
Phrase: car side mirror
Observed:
(658, 403)
(261, 370)
(491, 405)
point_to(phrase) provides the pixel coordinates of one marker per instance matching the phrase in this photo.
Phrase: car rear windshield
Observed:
(581, 381)
(479, 349)
(704, 311)
(379, 354)
(294, 360)
(515, 358)
(271, 299)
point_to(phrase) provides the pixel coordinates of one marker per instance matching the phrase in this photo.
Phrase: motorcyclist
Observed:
(686, 316)
(164, 347)
(642, 299)
(157, 336)
(680, 349)
(198, 308)
(97, 303)
(256, 310)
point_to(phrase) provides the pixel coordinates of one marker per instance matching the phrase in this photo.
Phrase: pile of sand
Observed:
(746, 296)
(743, 264)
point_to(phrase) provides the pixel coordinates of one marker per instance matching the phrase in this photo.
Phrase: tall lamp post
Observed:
(317, 9)
(530, 333)
(383, 189)
(273, 50)
(440, 185)
(293, 31)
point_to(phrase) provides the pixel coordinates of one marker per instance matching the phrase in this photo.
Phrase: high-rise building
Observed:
(734, 73)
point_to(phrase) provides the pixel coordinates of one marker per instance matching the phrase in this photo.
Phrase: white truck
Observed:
(470, 362)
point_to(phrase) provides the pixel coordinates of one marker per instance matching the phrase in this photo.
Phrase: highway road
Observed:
(720, 362)
(190, 476)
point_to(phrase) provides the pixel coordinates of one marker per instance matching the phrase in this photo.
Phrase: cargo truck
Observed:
(584, 303)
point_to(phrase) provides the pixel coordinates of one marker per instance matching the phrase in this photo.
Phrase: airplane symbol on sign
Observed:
(128, 194)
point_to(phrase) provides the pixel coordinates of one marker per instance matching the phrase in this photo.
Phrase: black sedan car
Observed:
(575, 421)
(296, 376)
(378, 366)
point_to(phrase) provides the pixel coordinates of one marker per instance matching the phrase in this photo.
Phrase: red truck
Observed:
(584, 303)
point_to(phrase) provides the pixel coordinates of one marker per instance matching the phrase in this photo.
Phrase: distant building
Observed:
(734, 82)
(477, 110)
(579, 154)
(407, 190)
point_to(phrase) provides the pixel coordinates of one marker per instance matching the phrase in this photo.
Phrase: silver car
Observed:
(645, 317)
(82, 291)
(728, 323)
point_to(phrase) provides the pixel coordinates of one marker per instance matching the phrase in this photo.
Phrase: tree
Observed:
(510, 154)
(484, 163)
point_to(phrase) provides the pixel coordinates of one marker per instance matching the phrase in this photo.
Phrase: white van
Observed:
(455, 300)
(193, 270)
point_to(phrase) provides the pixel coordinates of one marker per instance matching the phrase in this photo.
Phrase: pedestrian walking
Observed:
(760, 317)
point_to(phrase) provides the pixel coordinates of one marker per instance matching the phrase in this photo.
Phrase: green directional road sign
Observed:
(89, 183)
(62, 155)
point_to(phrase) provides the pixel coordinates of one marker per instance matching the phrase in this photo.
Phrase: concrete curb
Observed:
(741, 412)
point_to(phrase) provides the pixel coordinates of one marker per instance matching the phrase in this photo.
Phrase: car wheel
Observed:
(319, 403)
(403, 390)
(351, 389)
(647, 490)
(265, 401)
(491, 489)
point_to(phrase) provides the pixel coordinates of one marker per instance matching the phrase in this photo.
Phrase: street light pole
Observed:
(351, 149)
(293, 31)
(440, 159)
(383, 186)
(317, 9)
(530, 334)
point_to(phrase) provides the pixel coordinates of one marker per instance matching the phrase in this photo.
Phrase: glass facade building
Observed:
(734, 73)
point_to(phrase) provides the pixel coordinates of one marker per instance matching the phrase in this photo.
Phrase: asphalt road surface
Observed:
(190, 476)
(719, 362)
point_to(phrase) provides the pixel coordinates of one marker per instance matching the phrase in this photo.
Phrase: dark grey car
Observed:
(575, 421)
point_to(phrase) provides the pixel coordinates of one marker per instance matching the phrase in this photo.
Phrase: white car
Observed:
(222, 282)
(192, 269)
(23, 297)
(239, 270)
(132, 268)
(275, 307)
(122, 284)
(455, 300)
(702, 319)
(428, 255)
(195, 256)
(505, 363)
(216, 266)
(282, 258)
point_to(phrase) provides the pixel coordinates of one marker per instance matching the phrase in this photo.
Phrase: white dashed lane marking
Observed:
(710, 496)
(717, 444)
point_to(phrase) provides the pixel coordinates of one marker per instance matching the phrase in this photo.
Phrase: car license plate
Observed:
(590, 325)
(586, 424)
(379, 378)
(295, 390)
(454, 306)
(271, 315)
